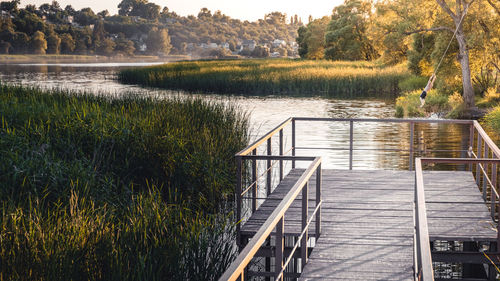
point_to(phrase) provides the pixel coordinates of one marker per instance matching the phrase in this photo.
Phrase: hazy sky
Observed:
(245, 10)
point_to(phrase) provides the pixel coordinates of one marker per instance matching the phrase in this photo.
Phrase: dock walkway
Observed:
(334, 224)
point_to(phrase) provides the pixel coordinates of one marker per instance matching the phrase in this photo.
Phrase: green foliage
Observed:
(38, 43)
(311, 39)
(53, 43)
(273, 76)
(96, 188)
(490, 99)
(345, 37)
(492, 121)
(412, 83)
(408, 104)
(158, 42)
(67, 43)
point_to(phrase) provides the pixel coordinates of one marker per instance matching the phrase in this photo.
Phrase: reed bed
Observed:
(273, 77)
(130, 188)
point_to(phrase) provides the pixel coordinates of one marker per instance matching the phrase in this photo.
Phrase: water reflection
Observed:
(377, 145)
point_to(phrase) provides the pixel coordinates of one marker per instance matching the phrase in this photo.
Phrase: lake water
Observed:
(375, 144)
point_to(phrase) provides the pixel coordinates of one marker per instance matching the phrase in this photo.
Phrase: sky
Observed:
(250, 10)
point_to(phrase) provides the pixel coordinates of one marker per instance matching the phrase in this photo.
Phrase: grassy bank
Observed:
(273, 76)
(115, 189)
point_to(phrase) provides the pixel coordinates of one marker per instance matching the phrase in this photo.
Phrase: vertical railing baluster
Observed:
(293, 142)
(485, 167)
(478, 155)
(281, 154)
(318, 200)
(254, 181)
(305, 214)
(278, 254)
(351, 139)
(269, 174)
(471, 143)
(493, 189)
(239, 175)
(412, 129)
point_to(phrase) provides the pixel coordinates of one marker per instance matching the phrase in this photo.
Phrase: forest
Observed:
(140, 28)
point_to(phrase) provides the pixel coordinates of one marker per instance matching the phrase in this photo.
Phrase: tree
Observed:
(106, 47)
(158, 41)
(86, 16)
(38, 43)
(275, 18)
(67, 43)
(53, 43)
(311, 39)
(260, 52)
(5, 47)
(462, 6)
(124, 46)
(20, 43)
(345, 37)
(204, 14)
(11, 7)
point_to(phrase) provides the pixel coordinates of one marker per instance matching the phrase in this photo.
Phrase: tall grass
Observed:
(272, 76)
(115, 189)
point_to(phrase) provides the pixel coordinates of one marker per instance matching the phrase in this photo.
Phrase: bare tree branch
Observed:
(495, 7)
(446, 8)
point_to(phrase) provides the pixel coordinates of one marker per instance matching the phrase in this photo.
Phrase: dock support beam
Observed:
(351, 139)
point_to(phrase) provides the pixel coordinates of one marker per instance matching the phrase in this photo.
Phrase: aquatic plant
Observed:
(273, 77)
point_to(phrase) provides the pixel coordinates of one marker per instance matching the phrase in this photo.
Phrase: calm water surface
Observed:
(375, 144)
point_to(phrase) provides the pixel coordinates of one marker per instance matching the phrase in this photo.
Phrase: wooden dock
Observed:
(368, 224)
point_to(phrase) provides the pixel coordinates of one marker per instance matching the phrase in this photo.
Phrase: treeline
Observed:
(139, 27)
(416, 33)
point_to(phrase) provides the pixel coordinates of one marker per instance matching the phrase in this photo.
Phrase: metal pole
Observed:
(238, 199)
(293, 142)
(351, 136)
(485, 166)
(269, 174)
(281, 154)
(471, 142)
(305, 214)
(412, 129)
(279, 248)
(318, 200)
(479, 155)
(254, 181)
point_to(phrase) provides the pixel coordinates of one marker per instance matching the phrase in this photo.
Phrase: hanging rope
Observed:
(449, 43)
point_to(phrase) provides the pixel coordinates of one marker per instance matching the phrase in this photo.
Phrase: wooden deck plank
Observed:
(367, 220)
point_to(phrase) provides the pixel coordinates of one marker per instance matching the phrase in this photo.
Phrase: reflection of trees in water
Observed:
(430, 140)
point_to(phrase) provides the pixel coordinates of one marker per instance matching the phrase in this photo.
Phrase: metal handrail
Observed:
(275, 220)
(423, 261)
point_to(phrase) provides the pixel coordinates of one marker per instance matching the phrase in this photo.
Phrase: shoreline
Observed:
(32, 58)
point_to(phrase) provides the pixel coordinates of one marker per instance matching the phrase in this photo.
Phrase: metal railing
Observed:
(277, 220)
(247, 169)
(423, 257)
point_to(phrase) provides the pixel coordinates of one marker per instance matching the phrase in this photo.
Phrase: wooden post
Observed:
(479, 155)
(269, 174)
(293, 142)
(351, 139)
(412, 130)
(318, 200)
(305, 214)
(279, 247)
(254, 181)
(281, 154)
(494, 186)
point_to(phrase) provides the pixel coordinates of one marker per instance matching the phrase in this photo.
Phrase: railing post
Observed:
(471, 143)
(281, 154)
(351, 136)
(494, 186)
(318, 200)
(485, 167)
(305, 215)
(254, 181)
(412, 130)
(238, 199)
(478, 155)
(293, 142)
(279, 247)
(269, 174)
